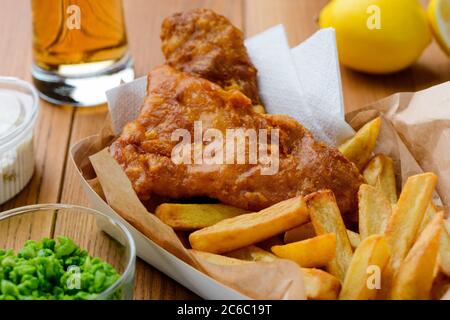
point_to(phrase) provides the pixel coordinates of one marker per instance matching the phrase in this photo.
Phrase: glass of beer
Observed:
(79, 50)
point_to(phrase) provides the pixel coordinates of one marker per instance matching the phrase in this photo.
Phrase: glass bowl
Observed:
(93, 231)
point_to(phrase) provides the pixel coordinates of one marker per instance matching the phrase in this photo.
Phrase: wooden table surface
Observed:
(58, 128)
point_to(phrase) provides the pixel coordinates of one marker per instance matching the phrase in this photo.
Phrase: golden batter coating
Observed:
(207, 44)
(176, 100)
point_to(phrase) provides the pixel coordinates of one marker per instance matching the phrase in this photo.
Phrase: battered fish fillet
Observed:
(207, 44)
(175, 100)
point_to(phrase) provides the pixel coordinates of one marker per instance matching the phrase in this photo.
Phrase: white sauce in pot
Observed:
(18, 111)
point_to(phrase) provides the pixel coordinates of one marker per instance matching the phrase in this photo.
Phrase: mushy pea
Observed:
(53, 270)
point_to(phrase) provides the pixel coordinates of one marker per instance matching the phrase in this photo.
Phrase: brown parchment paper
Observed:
(415, 132)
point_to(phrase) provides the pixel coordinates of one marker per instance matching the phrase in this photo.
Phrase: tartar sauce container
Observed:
(19, 106)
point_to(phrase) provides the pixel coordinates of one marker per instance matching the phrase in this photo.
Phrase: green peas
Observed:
(65, 247)
(25, 269)
(9, 289)
(24, 290)
(49, 270)
(27, 252)
(99, 280)
(8, 262)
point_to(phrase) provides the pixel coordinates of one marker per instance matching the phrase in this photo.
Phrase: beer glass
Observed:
(79, 50)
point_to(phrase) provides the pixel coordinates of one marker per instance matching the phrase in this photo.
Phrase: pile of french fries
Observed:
(401, 249)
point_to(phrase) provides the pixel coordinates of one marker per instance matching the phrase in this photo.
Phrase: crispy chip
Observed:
(407, 216)
(414, 278)
(248, 229)
(374, 211)
(359, 148)
(307, 231)
(309, 253)
(405, 222)
(354, 238)
(326, 218)
(189, 217)
(380, 174)
(373, 252)
(320, 285)
(444, 249)
(429, 214)
(444, 245)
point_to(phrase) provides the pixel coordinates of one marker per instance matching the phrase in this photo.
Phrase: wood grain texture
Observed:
(55, 179)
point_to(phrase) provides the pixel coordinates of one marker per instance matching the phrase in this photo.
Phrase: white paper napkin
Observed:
(303, 83)
(125, 102)
(317, 64)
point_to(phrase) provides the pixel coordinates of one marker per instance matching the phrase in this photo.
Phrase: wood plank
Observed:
(51, 134)
(143, 22)
(299, 18)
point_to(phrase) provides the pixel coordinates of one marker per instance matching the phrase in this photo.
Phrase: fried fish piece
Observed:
(176, 100)
(205, 43)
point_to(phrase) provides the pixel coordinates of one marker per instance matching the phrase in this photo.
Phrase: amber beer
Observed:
(74, 40)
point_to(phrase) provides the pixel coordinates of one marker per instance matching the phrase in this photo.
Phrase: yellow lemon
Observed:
(439, 15)
(378, 36)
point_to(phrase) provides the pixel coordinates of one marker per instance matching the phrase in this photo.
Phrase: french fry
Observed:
(354, 238)
(309, 253)
(444, 249)
(218, 259)
(428, 216)
(372, 252)
(407, 216)
(374, 211)
(248, 229)
(444, 244)
(380, 174)
(414, 278)
(307, 231)
(404, 223)
(252, 253)
(320, 285)
(326, 218)
(189, 217)
(359, 148)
